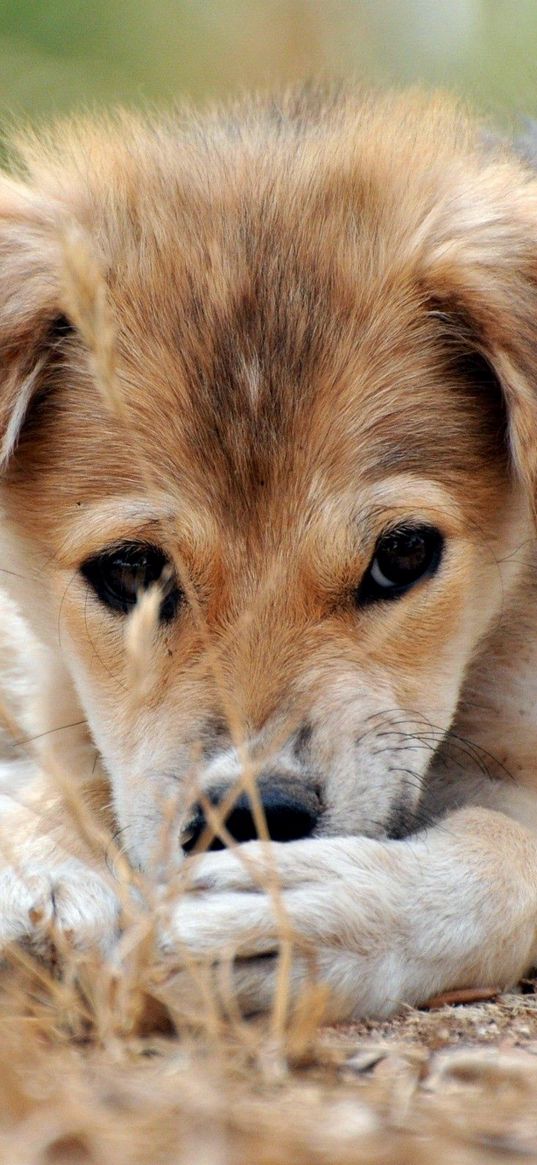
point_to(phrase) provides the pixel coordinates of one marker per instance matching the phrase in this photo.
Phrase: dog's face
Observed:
(319, 354)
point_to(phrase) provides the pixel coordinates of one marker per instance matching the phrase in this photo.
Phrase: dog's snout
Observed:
(291, 812)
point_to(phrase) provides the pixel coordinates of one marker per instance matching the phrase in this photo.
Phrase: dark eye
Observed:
(119, 575)
(402, 557)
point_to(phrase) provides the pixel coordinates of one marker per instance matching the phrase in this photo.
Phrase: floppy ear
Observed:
(31, 317)
(482, 282)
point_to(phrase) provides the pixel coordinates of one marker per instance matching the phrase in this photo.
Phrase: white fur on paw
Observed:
(70, 900)
(343, 904)
(257, 864)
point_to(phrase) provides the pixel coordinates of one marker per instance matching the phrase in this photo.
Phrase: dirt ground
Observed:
(456, 1085)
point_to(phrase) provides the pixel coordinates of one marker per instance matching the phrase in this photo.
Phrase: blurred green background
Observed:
(59, 55)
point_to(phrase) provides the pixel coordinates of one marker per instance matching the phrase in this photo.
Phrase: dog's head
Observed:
(319, 437)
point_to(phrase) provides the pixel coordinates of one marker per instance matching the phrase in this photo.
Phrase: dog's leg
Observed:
(53, 880)
(381, 922)
(52, 884)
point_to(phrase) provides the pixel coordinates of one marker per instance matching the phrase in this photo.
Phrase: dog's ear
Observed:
(481, 283)
(31, 315)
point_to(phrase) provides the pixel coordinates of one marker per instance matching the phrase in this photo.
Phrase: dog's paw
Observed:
(380, 923)
(67, 906)
(339, 903)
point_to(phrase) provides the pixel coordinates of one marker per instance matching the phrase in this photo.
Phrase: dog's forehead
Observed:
(272, 328)
(273, 360)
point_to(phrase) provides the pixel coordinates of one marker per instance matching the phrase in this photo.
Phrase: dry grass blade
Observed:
(139, 641)
(86, 303)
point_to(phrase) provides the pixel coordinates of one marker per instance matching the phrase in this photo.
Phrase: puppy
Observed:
(312, 447)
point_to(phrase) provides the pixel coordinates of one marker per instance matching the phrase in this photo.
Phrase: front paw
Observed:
(336, 905)
(66, 906)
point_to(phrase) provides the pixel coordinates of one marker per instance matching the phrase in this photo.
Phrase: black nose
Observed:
(291, 812)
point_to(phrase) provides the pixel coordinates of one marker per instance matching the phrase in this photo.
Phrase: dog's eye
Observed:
(119, 575)
(402, 557)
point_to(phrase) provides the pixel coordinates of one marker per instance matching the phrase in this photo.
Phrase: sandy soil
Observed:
(453, 1086)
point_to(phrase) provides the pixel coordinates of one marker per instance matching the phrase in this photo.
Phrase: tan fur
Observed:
(324, 313)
